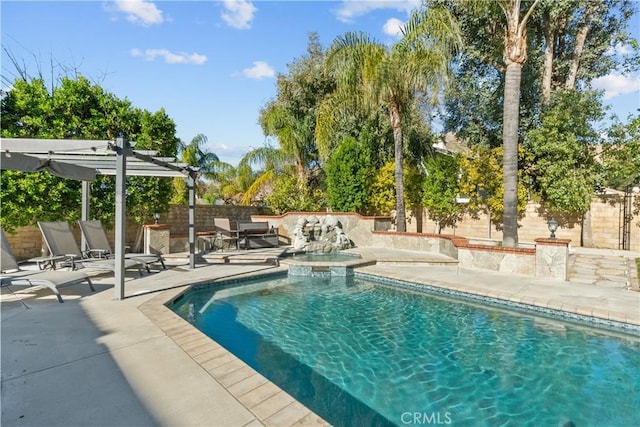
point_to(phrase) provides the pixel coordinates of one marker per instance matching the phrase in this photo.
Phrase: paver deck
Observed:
(95, 360)
(615, 269)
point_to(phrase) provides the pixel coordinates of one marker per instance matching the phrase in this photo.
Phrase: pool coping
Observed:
(522, 304)
(271, 405)
(325, 268)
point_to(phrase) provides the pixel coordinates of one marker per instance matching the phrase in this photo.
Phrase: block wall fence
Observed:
(606, 226)
(27, 242)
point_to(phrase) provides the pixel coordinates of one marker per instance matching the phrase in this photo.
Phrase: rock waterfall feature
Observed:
(320, 235)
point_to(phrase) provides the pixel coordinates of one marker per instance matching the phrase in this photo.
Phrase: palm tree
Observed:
(270, 161)
(374, 76)
(194, 154)
(515, 55)
(294, 134)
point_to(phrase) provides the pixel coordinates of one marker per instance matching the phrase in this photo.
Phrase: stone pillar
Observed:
(157, 238)
(552, 258)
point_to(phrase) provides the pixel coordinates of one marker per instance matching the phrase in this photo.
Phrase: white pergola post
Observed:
(84, 212)
(121, 209)
(192, 220)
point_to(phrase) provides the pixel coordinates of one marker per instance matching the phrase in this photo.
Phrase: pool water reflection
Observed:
(357, 352)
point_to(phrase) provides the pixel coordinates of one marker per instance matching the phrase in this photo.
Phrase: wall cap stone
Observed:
(502, 249)
(354, 214)
(198, 234)
(157, 226)
(552, 242)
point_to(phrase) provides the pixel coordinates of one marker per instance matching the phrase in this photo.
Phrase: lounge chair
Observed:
(98, 245)
(11, 274)
(61, 242)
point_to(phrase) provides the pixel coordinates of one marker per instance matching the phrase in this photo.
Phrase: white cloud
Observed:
(260, 70)
(221, 147)
(229, 153)
(349, 9)
(140, 11)
(393, 27)
(238, 13)
(170, 57)
(620, 50)
(617, 84)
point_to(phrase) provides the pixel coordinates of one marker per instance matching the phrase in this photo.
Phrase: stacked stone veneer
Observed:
(548, 258)
(357, 227)
(484, 257)
(552, 258)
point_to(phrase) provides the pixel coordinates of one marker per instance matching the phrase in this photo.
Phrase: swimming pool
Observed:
(358, 352)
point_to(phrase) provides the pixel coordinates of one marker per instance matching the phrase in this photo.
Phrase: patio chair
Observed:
(226, 231)
(11, 274)
(59, 239)
(99, 246)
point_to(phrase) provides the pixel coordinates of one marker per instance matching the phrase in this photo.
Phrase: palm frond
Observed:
(258, 184)
(217, 170)
(325, 124)
(434, 29)
(266, 158)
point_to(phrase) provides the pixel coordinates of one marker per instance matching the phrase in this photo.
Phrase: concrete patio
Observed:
(95, 360)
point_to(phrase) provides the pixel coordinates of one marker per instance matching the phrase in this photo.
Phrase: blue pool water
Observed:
(360, 353)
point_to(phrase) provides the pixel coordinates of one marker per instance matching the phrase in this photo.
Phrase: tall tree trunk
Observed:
(547, 71)
(396, 125)
(586, 234)
(511, 114)
(515, 54)
(581, 38)
(301, 172)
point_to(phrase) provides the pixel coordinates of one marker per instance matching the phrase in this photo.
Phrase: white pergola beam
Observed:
(148, 173)
(32, 145)
(98, 155)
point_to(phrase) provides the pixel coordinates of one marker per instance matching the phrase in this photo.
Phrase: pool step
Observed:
(253, 256)
(452, 262)
(385, 256)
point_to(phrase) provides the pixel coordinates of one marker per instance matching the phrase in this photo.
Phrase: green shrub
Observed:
(349, 175)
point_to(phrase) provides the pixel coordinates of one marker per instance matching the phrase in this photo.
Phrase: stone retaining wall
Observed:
(474, 256)
(546, 258)
(495, 258)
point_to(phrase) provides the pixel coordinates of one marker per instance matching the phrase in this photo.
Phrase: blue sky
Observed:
(210, 64)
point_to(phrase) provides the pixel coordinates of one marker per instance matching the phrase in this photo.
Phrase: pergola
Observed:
(83, 159)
